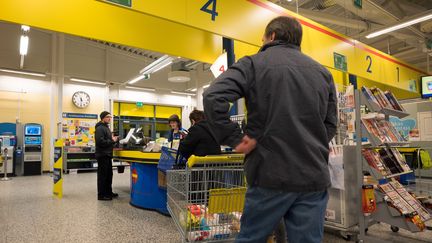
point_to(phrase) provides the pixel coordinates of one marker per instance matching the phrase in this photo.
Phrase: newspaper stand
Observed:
(206, 198)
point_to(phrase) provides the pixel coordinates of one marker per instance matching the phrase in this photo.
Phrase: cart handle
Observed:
(215, 159)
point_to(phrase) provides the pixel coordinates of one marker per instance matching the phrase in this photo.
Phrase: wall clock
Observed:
(81, 99)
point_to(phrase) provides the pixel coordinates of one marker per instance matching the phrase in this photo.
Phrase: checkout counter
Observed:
(145, 190)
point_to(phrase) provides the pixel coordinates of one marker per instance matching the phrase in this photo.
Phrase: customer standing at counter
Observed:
(199, 140)
(104, 152)
(291, 102)
(177, 132)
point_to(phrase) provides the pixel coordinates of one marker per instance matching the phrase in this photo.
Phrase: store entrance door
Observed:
(425, 125)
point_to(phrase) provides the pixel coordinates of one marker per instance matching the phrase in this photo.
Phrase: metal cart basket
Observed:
(206, 198)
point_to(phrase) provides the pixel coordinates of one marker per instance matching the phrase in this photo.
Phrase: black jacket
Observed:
(104, 142)
(199, 141)
(291, 103)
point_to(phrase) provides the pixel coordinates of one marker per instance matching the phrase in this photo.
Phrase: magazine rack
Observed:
(376, 131)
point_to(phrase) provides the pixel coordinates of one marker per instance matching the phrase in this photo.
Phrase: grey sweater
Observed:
(291, 104)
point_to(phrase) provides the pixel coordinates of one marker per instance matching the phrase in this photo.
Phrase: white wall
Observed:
(97, 98)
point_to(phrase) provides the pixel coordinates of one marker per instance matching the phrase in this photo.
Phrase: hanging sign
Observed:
(220, 65)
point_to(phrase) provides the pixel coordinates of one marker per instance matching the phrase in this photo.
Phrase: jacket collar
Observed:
(278, 43)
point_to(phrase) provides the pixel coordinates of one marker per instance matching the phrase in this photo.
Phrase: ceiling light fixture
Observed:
(139, 88)
(206, 86)
(25, 28)
(136, 79)
(399, 26)
(182, 93)
(24, 41)
(22, 72)
(86, 81)
(157, 65)
(194, 90)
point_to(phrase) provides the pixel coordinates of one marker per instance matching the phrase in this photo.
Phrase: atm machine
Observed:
(7, 146)
(32, 149)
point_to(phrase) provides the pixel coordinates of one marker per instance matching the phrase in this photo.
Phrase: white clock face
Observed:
(81, 99)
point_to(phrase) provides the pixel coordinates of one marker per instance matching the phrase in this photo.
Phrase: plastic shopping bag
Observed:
(336, 168)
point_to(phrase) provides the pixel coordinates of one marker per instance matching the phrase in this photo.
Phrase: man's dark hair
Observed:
(286, 29)
(197, 116)
(103, 114)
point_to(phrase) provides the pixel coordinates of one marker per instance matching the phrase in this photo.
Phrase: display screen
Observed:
(33, 140)
(33, 130)
(426, 86)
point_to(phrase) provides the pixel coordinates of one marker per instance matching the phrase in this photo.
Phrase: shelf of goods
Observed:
(82, 158)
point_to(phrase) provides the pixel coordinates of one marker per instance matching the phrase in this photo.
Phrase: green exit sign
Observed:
(126, 3)
(340, 61)
(139, 104)
(358, 3)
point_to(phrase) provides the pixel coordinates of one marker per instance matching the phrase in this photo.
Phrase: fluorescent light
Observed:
(182, 93)
(157, 65)
(86, 81)
(161, 66)
(194, 90)
(206, 86)
(139, 88)
(399, 26)
(24, 41)
(136, 79)
(25, 28)
(23, 72)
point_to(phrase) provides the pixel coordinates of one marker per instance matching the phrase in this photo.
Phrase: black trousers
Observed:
(104, 176)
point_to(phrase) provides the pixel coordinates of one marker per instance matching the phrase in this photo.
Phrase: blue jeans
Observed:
(303, 215)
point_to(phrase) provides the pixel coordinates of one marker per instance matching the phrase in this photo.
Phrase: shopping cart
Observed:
(206, 198)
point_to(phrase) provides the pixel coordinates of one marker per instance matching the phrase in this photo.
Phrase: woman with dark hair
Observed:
(199, 140)
(177, 132)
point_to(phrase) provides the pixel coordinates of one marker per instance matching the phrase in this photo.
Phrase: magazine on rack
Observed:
(374, 160)
(399, 197)
(368, 94)
(390, 162)
(381, 129)
(393, 101)
(410, 200)
(382, 99)
(386, 161)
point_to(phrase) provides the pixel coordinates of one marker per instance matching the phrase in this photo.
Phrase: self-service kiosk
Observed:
(7, 147)
(32, 149)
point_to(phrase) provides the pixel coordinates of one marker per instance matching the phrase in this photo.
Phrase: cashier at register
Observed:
(199, 140)
(177, 132)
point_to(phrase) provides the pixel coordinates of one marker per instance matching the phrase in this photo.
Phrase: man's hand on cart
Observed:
(246, 145)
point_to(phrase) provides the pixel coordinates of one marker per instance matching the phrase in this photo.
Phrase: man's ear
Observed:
(273, 36)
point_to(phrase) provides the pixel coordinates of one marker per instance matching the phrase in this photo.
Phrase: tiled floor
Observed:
(28, 213)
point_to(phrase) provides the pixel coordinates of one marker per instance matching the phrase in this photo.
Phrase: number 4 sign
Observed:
(212, 11)
(220, 65)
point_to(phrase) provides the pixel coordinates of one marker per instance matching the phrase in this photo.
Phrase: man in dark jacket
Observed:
(199, 140)
(104, 152)
(291, 103)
